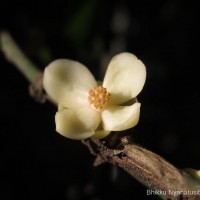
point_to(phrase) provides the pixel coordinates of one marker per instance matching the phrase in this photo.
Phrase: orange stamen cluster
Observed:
(98, 97)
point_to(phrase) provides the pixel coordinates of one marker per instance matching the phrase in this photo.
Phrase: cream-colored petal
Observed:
(67, 82)
(119, 118)
(77, 124)
(99, 134)
(125, 78)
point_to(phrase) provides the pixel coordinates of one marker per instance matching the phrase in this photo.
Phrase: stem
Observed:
(15, 55)
(147, 167)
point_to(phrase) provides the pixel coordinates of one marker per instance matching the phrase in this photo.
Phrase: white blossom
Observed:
(86, 109)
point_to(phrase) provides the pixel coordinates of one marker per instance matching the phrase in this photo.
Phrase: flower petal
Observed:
(77, 124)
(125, 78)
(119, 118)
(67, 82)
(99, 134)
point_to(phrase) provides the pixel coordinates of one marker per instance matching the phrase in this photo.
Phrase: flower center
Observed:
(98, 97)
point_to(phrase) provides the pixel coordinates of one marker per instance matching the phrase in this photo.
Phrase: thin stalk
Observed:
(15, 55)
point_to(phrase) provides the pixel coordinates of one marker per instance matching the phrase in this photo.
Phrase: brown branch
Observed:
(147, 167)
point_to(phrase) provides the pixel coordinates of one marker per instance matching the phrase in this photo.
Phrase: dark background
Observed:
(36, 162)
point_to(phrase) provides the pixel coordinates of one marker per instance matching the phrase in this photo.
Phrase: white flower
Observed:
(86, 109)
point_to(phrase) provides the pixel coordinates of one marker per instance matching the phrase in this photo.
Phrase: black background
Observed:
(38, 163)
